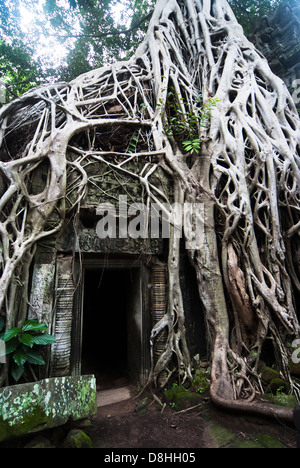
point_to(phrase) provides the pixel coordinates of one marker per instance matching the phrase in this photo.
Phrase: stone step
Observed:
(113, 395)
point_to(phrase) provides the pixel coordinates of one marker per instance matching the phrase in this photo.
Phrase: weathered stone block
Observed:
(76, 438)
(31, 407)
(289, 401)
(219, 435)
(180, 398)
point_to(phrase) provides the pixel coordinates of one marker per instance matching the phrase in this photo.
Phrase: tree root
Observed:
(257, 408)
(112, 121)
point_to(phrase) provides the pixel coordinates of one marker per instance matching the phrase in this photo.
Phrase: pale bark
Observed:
(246, 176)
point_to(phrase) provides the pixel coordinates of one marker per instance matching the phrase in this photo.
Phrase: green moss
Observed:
(4, 430)
(220, 436)
(268, 374)
(246, 444)
(278, 385)
(172, 394)
(187, 399)
(83, 395)
(289, 401)
(49, 403)
(77, 439)
(201, 381)
(267, 441)
(180, 398)
(34, 421)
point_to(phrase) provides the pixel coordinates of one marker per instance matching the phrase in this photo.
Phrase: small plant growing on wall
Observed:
(23, 344)
(182, 124)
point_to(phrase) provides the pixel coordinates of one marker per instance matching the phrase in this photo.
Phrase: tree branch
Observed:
(110, 33)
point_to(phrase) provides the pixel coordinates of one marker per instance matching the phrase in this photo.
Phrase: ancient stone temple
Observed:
(277, 36)
(104, 295)
(194, 135)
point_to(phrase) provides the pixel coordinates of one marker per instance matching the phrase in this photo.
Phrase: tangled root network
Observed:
(245, 175)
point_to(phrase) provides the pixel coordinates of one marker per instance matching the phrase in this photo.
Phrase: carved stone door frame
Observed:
(142, 338)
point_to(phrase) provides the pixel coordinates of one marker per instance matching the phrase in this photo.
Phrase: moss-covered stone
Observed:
(278, 385)
(268, 374)
(200, 381)
(259, 441)
(268, 441)
(188, 399)
(246, 444)
(39, 442)
(180, 398)
(285, 400)
(289, 401)
(171, 394)
(219, 435)
(32, 407)
(76, 438)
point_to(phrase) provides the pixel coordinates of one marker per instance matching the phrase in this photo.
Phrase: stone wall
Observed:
(277, 36)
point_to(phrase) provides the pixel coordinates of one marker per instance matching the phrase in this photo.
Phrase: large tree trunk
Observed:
(246, 176)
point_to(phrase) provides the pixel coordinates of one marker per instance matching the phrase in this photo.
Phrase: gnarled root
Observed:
(279, 413)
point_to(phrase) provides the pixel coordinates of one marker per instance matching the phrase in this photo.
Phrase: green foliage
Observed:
(22, 344)
(99, 38)
(20, 68)
(85, 33)
(133, 143)
(280, 390)
(192, 146)
(88, 33)
(248, 10)
(17, 69)
(182, 124)
(201, 381)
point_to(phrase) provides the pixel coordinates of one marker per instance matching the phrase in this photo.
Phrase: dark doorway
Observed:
(105, 325)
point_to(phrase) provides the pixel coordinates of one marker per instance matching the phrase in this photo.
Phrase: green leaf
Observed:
(2, 323)
(34, 325)
(12, 345)
(17, 371)
(26, 339)
(44, 339)
(20, 357)
(9, 334)
(35, 358)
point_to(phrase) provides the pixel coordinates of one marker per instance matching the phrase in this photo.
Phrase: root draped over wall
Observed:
(246, 177)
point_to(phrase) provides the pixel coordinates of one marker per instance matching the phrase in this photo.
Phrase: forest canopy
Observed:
(56, 40)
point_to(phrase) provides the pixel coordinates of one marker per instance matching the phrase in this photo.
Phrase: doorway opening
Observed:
(110, 337)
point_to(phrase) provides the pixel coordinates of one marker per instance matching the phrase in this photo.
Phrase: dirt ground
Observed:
(138, 423)
(121, 425)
